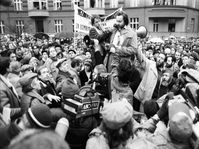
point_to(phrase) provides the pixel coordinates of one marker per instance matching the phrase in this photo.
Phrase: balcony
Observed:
(95, 11)
(38, 13)
(166, 11)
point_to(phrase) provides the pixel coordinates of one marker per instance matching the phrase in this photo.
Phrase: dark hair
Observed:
(125, 16)
(4, 64)
(150, 108)
(124, 70)
(120, 135)
(75, 62)
(93, 19)
(173, 58)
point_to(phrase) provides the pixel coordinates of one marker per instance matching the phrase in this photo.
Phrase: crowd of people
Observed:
(145, 89)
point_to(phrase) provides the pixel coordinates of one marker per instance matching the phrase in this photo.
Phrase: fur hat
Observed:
(39, 116)
(26, 80)
(115, 115)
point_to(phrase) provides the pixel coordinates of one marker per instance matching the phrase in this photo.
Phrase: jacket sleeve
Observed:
(4, 101)
(93, 34)
(130, 47)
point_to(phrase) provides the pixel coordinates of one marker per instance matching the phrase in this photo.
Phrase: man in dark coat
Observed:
(8, 94)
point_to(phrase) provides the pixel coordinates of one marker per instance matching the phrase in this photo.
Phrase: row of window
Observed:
(58, 24)
(57, 4)
(134, 23)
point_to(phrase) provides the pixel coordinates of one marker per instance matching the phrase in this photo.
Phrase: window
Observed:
(20, 26)
(73, 24)
(155, 25)
(134, 23)
(44, 5)
(76, 2)
(57, 5)
(172, 25)
(18, 5)
(2, 27)
(192, 24)
(36, 5)
(113, 3)
(58, 26)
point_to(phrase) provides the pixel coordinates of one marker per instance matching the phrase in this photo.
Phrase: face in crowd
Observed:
(44, 74)
(52, 52)
(97, 23)
(169, 62)
(160, 60)
(120, 21)
(165, 79)
(177, 55)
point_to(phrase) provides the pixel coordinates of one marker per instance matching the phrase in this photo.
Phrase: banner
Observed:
(82, 20)
(109, 20)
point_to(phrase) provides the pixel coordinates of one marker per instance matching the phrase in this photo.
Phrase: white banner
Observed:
(110, 20)
(82, 20)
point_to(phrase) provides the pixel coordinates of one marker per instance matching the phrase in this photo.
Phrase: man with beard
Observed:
(152, 72)
(170, 64)
(165, 83)
(123, 42)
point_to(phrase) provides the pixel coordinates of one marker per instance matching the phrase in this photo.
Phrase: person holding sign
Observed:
(97, 34)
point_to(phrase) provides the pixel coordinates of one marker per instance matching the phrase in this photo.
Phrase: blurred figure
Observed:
(38, 117)
(38, 139)
(14, 76)
(9, 96)
(116, 128)
(120, 82)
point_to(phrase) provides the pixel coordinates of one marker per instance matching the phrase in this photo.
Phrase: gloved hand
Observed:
(163, 111)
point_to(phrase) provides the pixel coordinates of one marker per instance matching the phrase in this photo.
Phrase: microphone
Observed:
(62, 127)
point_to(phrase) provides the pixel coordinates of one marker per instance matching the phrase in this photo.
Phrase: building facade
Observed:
(160, 17)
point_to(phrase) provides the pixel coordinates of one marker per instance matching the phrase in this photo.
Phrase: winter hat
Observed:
(39, 116)
(180, 123)
(26, 81)
(115, 115)
(69, 88)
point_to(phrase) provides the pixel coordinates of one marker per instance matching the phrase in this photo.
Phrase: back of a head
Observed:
(4, 64)
(15, 67)
(75, 62)
(124, 70)
(38, 139)
(180, 122)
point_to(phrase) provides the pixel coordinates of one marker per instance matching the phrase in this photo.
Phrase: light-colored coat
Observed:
(149, 80)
